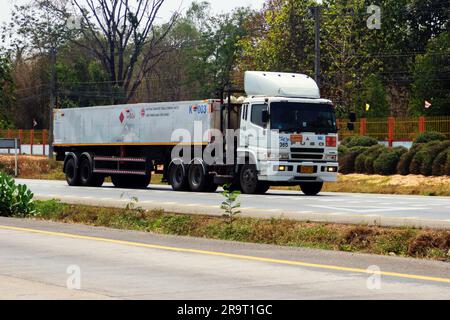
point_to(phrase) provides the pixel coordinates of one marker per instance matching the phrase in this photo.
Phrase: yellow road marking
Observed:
(229, 255)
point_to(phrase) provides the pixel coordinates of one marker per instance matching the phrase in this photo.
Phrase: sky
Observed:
(218, 6)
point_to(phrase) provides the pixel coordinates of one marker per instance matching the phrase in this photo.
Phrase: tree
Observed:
(122, 35)
(431, 78)
(6, 91)
(374, 94)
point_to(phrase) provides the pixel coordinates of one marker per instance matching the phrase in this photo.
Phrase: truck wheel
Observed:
(89, 178)
(199, 181)
(177, 178)
(72, 173)
(263, 187)
(311, 188)
(119, 181)
(249, 179)
(140, 182)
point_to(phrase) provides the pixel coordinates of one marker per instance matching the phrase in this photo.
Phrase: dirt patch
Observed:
(32, 167)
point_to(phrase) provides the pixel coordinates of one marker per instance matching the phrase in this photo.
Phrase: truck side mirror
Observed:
(265, 116)
(352, 117)
(351, 126)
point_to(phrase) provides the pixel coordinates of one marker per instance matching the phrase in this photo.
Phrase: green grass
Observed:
(375, 240)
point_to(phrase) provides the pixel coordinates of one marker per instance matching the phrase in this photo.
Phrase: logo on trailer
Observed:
(198, 109)
(127, 115)
(143, 113)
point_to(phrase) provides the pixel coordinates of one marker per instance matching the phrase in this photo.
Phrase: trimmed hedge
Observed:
(406, 159)
(431, 158)
(360, 162)
(430, 136)
(347, 160)
(359, 141)
(386, 163)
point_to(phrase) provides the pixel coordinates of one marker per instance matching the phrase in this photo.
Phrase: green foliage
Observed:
(230, 205)
(431, 153)
(347, 161)
(386, 163)
(430, 136)
(406, 159)
(373, 151)
(431, 74)
(439, 164)
(15, 200)
(6, 91)
(370, 159)
(422, 157)
(374, 94)
(359, 141)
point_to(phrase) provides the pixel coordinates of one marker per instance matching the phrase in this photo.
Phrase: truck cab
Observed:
(288, 137)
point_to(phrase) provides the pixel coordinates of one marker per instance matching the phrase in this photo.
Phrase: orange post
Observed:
(363, 127)
(422, 124)
(391, 131)
(31, 141)
(21, 140)
(44, 140)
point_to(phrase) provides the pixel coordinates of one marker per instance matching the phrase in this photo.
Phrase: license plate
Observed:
(307, 170)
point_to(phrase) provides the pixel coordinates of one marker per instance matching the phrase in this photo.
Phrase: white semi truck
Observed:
(281, 134)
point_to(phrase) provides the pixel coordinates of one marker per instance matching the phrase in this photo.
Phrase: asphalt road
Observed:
(384, 210)
(39, 259)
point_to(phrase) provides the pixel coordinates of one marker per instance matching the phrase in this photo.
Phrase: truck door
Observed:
(256, 131)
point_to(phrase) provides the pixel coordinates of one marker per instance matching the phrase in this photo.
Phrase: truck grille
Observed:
(303, 156)
(307, 150)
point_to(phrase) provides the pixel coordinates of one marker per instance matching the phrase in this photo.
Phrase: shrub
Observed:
(386, 163)
(422, 157)
(370, 159)
(360, 162)
(431, 152)
(406, 159)
(430, 136)
(359, 141)
(446, 170)
(342, 150)
(438, 168)
(15, 200)
(400, 151)
(347, 161)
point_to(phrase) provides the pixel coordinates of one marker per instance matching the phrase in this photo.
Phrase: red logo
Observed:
(143, 113)
(122, 117)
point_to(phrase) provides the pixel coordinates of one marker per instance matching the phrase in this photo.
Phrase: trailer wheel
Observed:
(140, 182)
(87, 177)
(199, 181)
(177, 178)
(311, 188)
(72, 174)
(249, 179)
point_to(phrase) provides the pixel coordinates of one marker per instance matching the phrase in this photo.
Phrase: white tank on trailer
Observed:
(276, 84)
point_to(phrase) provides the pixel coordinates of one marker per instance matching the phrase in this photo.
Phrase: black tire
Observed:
(178, 179)
(249, 179)
(263, 187)
(311, 188)
(199, 181)
(87, 177)
(119, 181)
(141, 182)
(72, 173)
(131, 182)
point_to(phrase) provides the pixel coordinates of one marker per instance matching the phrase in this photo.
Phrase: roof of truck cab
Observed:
(284, 99)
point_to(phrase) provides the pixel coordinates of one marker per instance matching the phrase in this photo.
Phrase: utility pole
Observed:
(316, 15)
(52, 105)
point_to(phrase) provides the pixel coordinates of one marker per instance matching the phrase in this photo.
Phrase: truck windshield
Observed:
(293, 117)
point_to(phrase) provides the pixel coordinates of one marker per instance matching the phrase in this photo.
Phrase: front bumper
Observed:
(268, 172)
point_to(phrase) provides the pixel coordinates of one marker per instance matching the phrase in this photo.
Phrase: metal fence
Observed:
(396, 129)
(28, 138)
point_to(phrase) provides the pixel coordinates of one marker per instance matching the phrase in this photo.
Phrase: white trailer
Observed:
(283, 133)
